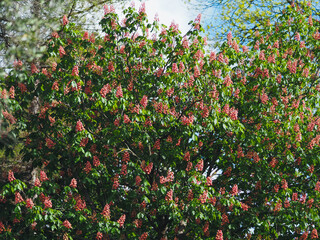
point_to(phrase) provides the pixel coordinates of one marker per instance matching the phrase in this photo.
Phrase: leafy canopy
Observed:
(142, 134)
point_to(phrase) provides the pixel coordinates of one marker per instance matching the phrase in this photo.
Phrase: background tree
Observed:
(242, 17)
(26, 25)
(142, 134)
(25, 28)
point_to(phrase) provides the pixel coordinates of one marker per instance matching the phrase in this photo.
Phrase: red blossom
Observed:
(314, 234)
(29, 203)
(144, 236)
(121, 220)
(47, 203)
(62, 52)
(73, 183)
(79, 126)
(119, 93)
(88, 167)
(43, 176)
(138, 180)
(18, 198)
(219, 235)
(11, 176)
(50, 143)
(234, 190)
(67, 224)
(37, 182)
(106, 211)
(96, 161)
(75, 71)
(99, 236)
(65, 20)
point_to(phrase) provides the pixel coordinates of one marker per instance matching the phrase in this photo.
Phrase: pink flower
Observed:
(92, 38)
(142, 8)
(310, 22)
(185, 43)
(11, 176)
(9, 117)
(99, 236)
(126, 119)
(264, 98)
(121, 220)
(62, 52)
(169, 195)
(199, 166)
(106, 211)
(18, 198)
(85, 36)
(227, 81)
(124, 170)
(17, 64)
(54, 66)
(55, 35)
(305, 72)
(144, 101)
(203, 197)
(175, 68)
(34, 69)
(196, 71)
(261, 55)
(219, 235)
(37, 182)
(79, 126)
(65, 20)
(138, 180)
(244, 206)
(119, 93)
(50, 143)
(73, 183)
(229, 37)
(67, 224)
(11, 92)
(55, 86)
(189, 166)
(111, 67)
(234, 190)
(29, 203)
(43, 176)
(105, 90)
(115, 182)
(96, 161)
(284, 184)
(157, 145)
(47, 203)
(245, 49)
(314, 234)
(144, 236)
(75, 71)
(88, 167)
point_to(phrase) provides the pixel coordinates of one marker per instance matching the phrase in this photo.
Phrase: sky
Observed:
(168, 11)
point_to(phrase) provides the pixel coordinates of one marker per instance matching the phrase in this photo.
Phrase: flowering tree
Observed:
(143, 135)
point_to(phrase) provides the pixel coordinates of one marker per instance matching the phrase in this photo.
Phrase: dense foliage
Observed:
(143, 135)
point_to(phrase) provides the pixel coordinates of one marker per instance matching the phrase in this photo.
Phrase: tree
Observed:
(150, 137)
(25, 28)
(26, 25)
(242, 17)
